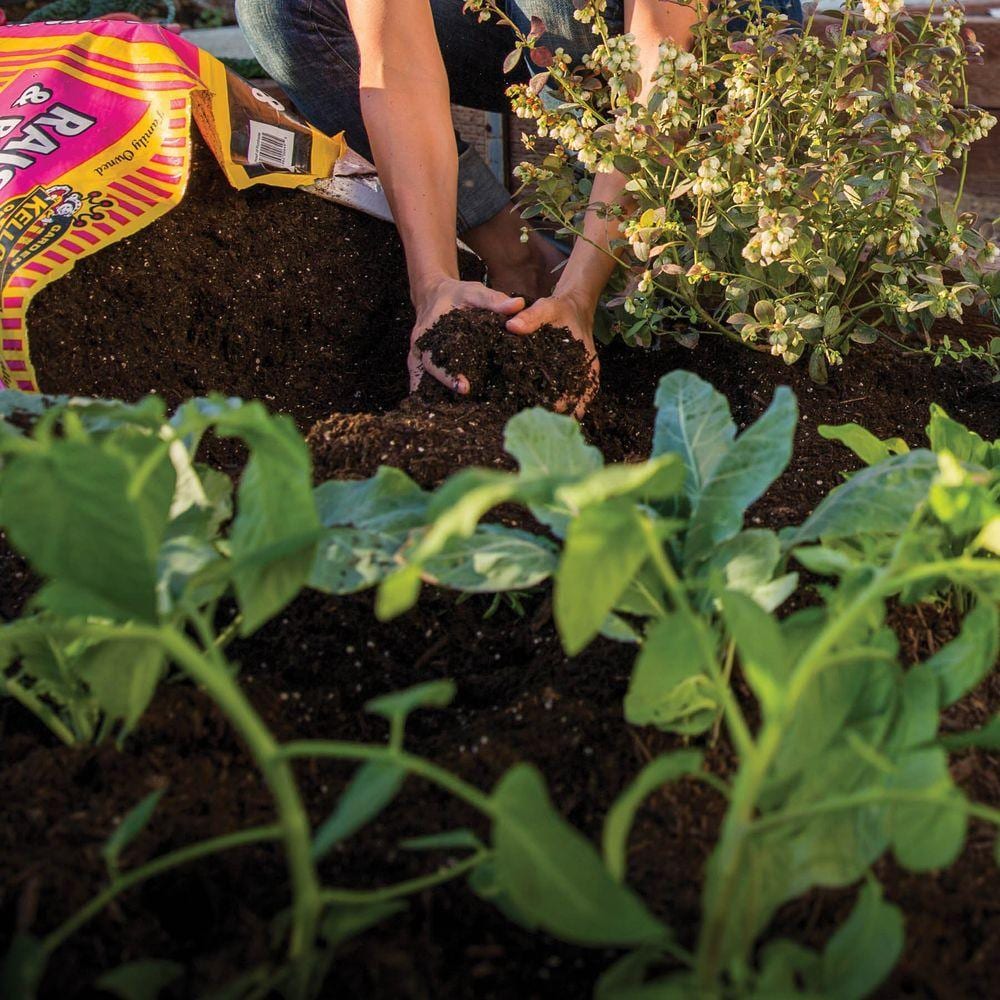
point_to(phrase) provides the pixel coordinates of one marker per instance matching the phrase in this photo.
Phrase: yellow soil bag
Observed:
(95, 120)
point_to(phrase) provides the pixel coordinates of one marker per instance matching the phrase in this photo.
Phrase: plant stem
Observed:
(296, 831)
(341, 750)
(151, 869)
(739, 822)
(38, 708)
(407, 888)
(738, 728)
(727, 674)
(277, 772)
(877, 796)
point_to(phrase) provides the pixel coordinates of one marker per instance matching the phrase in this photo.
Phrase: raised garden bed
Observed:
(279, 296)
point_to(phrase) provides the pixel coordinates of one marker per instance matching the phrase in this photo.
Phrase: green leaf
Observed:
(784, 965)
(927, 834)
(988, 737)
(621, 816)
(277, 527)
(132, 824)
(455, 511)
(372, 788)
(670, 686)
(461, 840)
(399, 704)
(863, 443)
(123, 676)
(877, 500)
(628, 979)
(948, 214)
(352, 559)
(946, 434)
(693, 421)
(76, 508)
(762, 649)
(617, 629)
(190, 571)
(551, 445)
(493, 559)
(863, 333)
(484, 882)
(458, 505)
(644, 482)
(555, 877)
(341, 923)
(145, 979)
(961, 664)
(397, 593)
(193, 510)
(388, 502)
(917, 720)
(747, 562)
(754, 460)
(828, 700)
(818, 370)
(604, 549)
(24, 962)
(865, 948)
(645, 595)
(825, 561)
(904, 107)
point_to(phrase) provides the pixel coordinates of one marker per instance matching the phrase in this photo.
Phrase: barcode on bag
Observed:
(270, 145)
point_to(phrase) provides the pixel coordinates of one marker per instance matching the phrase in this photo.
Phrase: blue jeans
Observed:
(308, 48)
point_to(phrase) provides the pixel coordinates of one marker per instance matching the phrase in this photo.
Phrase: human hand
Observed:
(564, 310)
(442, 298)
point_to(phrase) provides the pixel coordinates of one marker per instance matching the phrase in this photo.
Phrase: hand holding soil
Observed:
(565, 313)
(448, 295)
(548, 366)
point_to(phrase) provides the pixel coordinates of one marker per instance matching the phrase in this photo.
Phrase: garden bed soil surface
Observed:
(293, 300)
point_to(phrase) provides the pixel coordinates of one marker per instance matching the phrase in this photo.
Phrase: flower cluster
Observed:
(881, 13)
(772, 239)
(592, 12)
(617, 60)
(779, 184)
(709, 179)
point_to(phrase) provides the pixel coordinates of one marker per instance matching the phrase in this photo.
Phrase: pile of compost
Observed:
(290, 299)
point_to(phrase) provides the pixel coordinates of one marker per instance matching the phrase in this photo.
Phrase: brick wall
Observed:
(516, 153)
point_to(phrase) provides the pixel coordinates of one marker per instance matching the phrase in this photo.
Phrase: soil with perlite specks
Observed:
(282, 296)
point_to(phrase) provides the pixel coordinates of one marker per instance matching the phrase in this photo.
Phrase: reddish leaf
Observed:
(879, 44)
(541, 56)
(537, 28)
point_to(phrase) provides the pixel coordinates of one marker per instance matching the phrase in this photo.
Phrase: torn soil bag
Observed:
(95, 120)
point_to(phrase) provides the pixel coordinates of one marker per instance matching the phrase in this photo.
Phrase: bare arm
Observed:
(575, 298)
(405, 103)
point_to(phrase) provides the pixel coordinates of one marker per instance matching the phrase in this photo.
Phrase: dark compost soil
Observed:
(257, 295)
(432, 433)
(288, 298)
